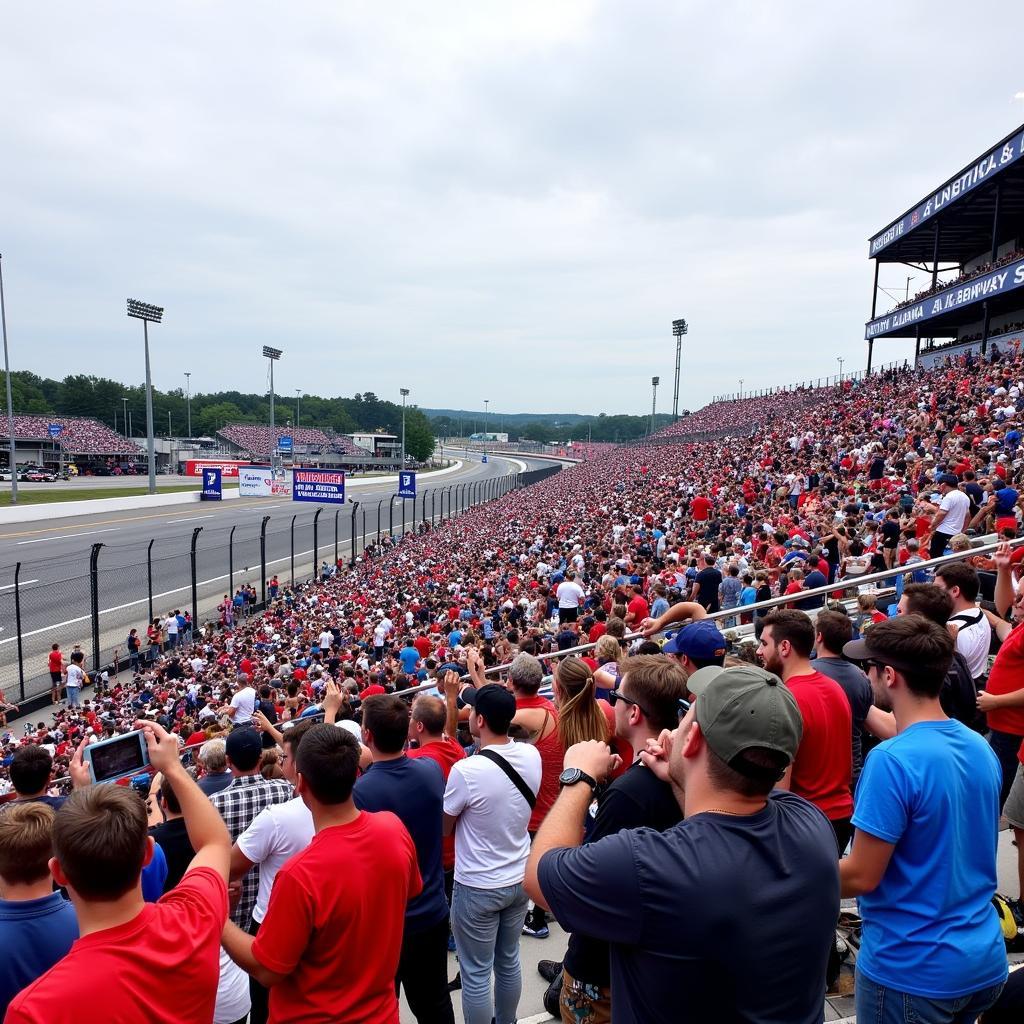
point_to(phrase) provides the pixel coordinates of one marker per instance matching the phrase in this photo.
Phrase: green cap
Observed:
(743, 707)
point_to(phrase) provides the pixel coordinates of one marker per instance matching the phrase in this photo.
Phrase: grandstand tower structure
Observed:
(967, 238)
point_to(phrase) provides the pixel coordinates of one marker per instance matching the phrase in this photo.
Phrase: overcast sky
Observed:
(475, 200)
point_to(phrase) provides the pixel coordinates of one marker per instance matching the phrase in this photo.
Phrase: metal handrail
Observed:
(725, 613)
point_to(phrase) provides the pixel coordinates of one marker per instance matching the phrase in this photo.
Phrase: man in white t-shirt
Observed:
(243, 703)
(490, 814)
(75, 679)
(570, 596)
(953, 512)
(275, 835)
(968, 622)
(325, 640)
(171, 626)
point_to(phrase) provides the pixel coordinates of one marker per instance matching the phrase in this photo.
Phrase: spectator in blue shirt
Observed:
(924, 851)
(37, 925)
(408, 656)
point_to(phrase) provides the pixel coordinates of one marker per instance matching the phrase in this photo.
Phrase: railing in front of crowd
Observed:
(813, 384)
(867, 579)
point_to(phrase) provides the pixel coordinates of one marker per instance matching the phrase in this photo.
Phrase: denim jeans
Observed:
(1005, 746)
(74, 695)
(487, 925)
(878, 1004)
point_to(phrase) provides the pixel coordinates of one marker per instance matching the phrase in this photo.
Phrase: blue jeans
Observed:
(74, 694)
(878, 1004)
(1005, 746)
(487, 925)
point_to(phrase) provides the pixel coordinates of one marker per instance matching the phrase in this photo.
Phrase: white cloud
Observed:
(441, 196)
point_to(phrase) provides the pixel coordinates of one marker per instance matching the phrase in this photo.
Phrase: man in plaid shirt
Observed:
(241, 801)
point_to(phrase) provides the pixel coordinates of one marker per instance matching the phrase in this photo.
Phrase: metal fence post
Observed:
(352, 560)
(404, 503)
(433, 494)
(17, 625)
(231, 566)
(94, 596)
(423, 511)
(293, 550)
(391, 516)
(362, 539)
(149, 577)
(337, 512)
(195, 586)
(263, 558)
(316, 551)
(379, 506)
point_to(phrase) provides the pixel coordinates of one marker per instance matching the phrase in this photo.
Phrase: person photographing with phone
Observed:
(164, 955)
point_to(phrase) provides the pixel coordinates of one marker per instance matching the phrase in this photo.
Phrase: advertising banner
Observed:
(260, 482)
(284, 443)
(325, 486)
(227, 467)
(407, 485)
(211, 485)
(996, 282)
(55, 429)
(995, 160)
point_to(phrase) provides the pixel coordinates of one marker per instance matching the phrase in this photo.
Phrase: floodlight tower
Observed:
(272, 354)
(678, 329)
(654, 399)
(404, 392)
(148, 314)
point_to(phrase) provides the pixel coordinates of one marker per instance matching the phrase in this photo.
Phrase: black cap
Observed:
(494, 703)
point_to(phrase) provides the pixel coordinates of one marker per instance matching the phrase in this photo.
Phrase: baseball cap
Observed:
(494, 703)
(242, 744)
(948, 479)
(699, 640)
(743, 707)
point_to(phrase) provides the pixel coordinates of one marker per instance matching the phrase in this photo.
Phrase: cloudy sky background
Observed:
(477, 200)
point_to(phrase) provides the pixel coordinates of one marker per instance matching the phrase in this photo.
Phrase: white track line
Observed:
(69, 536)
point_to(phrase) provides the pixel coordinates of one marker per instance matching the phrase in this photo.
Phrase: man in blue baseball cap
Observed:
(696, 646)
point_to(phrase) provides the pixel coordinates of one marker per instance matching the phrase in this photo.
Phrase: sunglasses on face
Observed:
(614, 696)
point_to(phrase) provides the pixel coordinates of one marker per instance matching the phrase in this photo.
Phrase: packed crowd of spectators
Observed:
(259, 441)
(77, 436)
(725, 906)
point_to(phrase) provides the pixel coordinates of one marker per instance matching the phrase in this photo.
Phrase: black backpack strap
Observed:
(966, 618)
(513, 776)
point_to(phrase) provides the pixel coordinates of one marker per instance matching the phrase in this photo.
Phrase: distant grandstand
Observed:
(260, 442)
(967, 237)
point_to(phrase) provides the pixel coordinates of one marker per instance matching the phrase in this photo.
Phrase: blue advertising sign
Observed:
(996, 282)
(483, 458)
(995, 160)
(326, 486)
(284, 443)
(55, 429)
(407, 485)
(211, 484)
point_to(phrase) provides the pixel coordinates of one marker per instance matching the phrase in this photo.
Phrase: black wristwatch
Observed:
(570, 776)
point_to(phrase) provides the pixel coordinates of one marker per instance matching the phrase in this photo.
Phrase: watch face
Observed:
(569, 776)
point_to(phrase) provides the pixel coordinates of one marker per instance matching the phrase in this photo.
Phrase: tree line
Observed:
(123, 407)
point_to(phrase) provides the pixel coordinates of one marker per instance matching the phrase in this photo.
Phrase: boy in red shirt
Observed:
(311, 948)
(161, 961)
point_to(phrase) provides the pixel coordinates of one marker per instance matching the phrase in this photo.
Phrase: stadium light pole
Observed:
(404, 392)
(272, 354)
(741, 387)
(654, 400)
(487, 409)
(298, 397)
(679, 328)
(10, 403)
(148, 314)
(188, 399)
(839, 360)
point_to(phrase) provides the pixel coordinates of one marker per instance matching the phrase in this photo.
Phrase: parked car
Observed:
(40, 476)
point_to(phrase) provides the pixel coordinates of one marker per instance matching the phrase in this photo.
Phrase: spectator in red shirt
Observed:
(823, 768)
(164, 956)
(638, 609)
(311, 949)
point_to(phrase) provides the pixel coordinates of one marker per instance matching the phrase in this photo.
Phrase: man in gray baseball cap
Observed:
(736, 905)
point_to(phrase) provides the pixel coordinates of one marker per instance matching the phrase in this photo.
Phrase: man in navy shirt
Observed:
(37, 925)
(730, 914)
(412, 789)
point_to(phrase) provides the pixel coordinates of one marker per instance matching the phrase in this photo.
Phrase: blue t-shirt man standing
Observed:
(923, 862)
